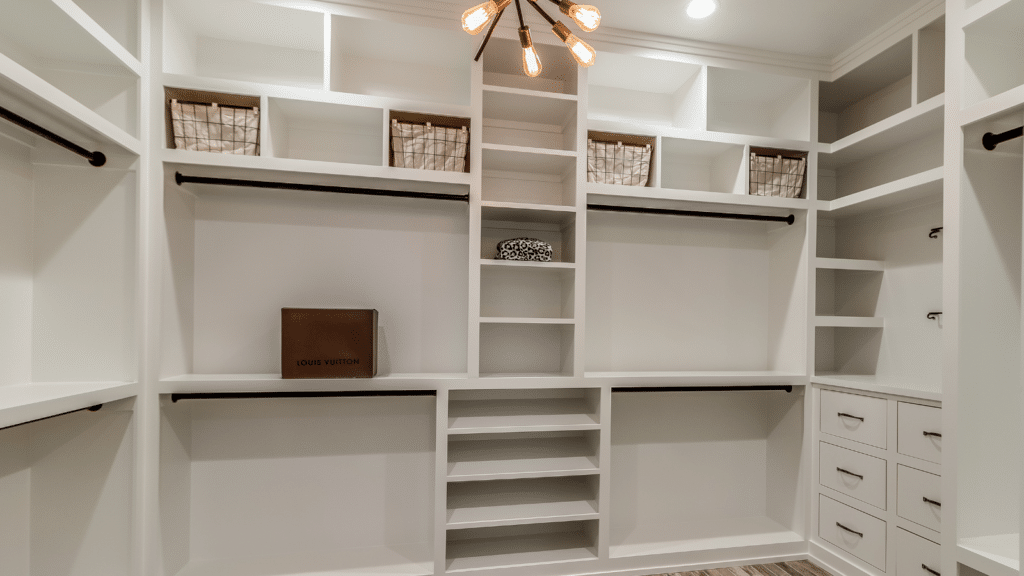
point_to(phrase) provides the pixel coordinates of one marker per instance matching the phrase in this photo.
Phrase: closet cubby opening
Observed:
(543, 409)
(848, 292)
(318, 131)
(758, 104)
(521, 502)
(190, 96)
(509, 546)
(556, 227)
(989, 419)
(236, 256)
(704, 166)
(681, 294)
(79, 65)
(615, 161)
(238, 40)
(529, 120)
(450, 122)
(660, 441)
(868, 94)
(365, 58)
(289, 486)
(526, 349)
(649, 91)
(503, 66)
(522, 177)
(527, 292)
(66, 498)
(517, 455)
(931, 60)
(993, 46)
(69, 254)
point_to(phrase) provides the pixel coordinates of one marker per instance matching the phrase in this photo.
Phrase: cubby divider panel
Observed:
(298, 485)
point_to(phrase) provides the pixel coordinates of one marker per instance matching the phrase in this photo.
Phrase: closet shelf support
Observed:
(694, 213)
(184, 179)
(95, 158)
(297, 394)
(990, 140)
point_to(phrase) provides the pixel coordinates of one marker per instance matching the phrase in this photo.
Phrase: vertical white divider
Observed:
(475, 215)
(604, 499)
(386, 144)
(580, 288)
(441, 480)
(656, 162)
(266, 134)
(809, 460)
(915, 67)
(328, 50)
(743, 182)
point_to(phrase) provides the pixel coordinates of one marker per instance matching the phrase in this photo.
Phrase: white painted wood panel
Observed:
(917, 428)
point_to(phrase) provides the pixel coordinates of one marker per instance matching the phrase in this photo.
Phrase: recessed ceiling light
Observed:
(701, 8)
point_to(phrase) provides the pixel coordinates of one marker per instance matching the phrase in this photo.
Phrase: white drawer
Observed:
(858, 418)
(914, 490)
(916, 556)
(857, 475)
(919, 431)
(858, 533)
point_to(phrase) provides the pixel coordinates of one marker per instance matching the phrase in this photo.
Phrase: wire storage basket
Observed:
(775, 172)
(213, 122)
(619, 158)
(429, 142)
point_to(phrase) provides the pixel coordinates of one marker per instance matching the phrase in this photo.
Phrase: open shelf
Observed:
(494, 411)
(647, 91)
(992, 47)
(290, 486)
(518, 456)
(704, 166)
(273, 383)
(997, 555)
(322, 132)
(849, 264)
(67, 497)
(503, 67)
(890, 196)
(758, 104)
(522, 349)
(529, 119)
(21, 403)
(526, 292)
(870, 93)
(724, 378)
(504, 547)
(708, 535)
(505, 221)
(912, 124)
(520, 502)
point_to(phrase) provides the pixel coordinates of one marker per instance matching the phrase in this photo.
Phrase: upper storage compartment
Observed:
(874, 91)
(644, 90)
(994, 48)
(758, 104)
(378, 58)
(503, 66)
(244, 40)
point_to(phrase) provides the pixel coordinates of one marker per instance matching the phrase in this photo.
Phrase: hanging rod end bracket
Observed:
(989, 141)
(178, 178)
(98, 159)
(790, 221)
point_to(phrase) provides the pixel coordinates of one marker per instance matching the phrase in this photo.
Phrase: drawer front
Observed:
(858, 418)
(868, 545)
(917, 429)
(857, 475)
(915, 556)
(913, 487)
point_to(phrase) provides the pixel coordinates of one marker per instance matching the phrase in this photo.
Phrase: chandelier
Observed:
(586, 17)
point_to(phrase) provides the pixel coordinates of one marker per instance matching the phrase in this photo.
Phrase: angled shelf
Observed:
(520, 502)
(849, 264)
(21, 403)
(532, 456)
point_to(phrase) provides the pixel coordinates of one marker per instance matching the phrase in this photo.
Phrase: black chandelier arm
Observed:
(536, 6)
(490, 31)
(519, 10)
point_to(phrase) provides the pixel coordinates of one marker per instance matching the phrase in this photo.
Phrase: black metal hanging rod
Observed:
(183, 179)
(95, 158)
(637, 210)
(90, 409)
(326, 394)
(990, 140)
(769, 387)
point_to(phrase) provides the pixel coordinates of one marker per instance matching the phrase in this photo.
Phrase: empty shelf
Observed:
(502, 552)
(848, 322)
(378, 561)
(708, 535)
(997, 555)
(915, 188)
(21, 403)
(518, 502)
(520, 458)
(849, 264)
(521, 415)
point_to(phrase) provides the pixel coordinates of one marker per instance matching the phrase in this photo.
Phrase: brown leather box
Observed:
(328, 343)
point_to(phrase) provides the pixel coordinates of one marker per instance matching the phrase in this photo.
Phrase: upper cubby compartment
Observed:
(931, 60)
(529, 120)
(648, 91)
(874, 91)
(305, 130)
(365, 57)
(994, 47)
(503, 66)
(758, 104)
(703, 166)
(244, 40)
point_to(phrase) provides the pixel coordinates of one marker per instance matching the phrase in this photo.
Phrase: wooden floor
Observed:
(798, 568)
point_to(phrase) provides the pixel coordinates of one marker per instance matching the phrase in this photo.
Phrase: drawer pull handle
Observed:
(935, 434)
(930, 571)
(861, 534)
(845, 415)
(930, 501)
(850, 473)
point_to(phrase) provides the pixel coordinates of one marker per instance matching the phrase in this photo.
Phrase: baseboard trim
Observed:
(835, 563)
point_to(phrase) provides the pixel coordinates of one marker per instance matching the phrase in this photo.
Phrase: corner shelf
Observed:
(918, 187)
(22, 403)
(911, 124)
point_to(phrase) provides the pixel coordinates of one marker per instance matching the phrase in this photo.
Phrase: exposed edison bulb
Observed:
(531, 60)
(698, 9)
(586, 17)
(581, 51)
(476, 18)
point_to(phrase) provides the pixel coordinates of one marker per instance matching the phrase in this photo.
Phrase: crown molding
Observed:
(894, 31)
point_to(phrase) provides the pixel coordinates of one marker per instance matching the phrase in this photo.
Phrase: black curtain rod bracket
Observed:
(95, 408)
(990, 140)
(790, 220)
(95, 158)
(183, 179)
(755, 388)
(298, 394)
